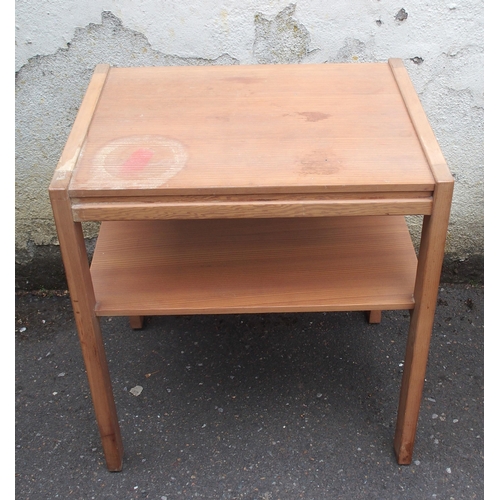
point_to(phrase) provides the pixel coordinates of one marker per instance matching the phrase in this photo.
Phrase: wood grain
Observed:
(78, 134)
(256, 265)
(89, 210)
(251, 129)
(427, 281)
(218, 188)
(430, 146)
(83, 301)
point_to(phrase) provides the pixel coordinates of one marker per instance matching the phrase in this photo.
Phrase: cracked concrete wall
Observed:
(58, 43)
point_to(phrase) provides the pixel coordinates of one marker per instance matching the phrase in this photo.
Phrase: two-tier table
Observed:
(260, 188)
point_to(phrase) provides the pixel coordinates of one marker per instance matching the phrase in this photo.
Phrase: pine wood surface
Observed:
(218, 188)
(247, 206)
(256, 265)
(251, 129)
(73, 147)
(430, 146)
(76, 265)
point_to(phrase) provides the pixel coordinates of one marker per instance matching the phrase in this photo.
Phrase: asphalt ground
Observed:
(272, 406)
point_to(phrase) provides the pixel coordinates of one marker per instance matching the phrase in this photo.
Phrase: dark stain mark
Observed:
(313, 116)
(378, 22)
(402, 15)
(222, 118)
(417, 60)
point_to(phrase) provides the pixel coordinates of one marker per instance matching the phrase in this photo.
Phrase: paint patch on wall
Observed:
(353, 50)
(280, 40)
(401, 16)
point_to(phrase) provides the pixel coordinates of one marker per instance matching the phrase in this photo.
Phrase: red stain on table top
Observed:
(137, 160)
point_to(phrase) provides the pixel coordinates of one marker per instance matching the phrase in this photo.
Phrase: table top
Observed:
(224, 130)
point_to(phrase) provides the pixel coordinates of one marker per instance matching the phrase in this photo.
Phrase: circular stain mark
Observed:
(145, 160)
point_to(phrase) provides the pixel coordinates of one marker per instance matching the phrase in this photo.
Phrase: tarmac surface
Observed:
(272, 406)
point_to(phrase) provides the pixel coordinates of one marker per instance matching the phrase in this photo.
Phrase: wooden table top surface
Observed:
(217, 130)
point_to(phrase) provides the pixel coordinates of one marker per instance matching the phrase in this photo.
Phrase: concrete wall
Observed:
(59, 42)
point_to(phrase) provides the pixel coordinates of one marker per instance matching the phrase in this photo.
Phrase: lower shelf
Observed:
(253, 266)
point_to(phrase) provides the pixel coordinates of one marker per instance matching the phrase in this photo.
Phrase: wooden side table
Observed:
(237, 189)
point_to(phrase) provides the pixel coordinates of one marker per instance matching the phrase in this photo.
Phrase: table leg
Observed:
(136, 322)
(374, 317)
(430, 260)
(77, 269)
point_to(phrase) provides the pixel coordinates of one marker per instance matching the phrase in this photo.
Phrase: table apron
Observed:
(91, 210)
